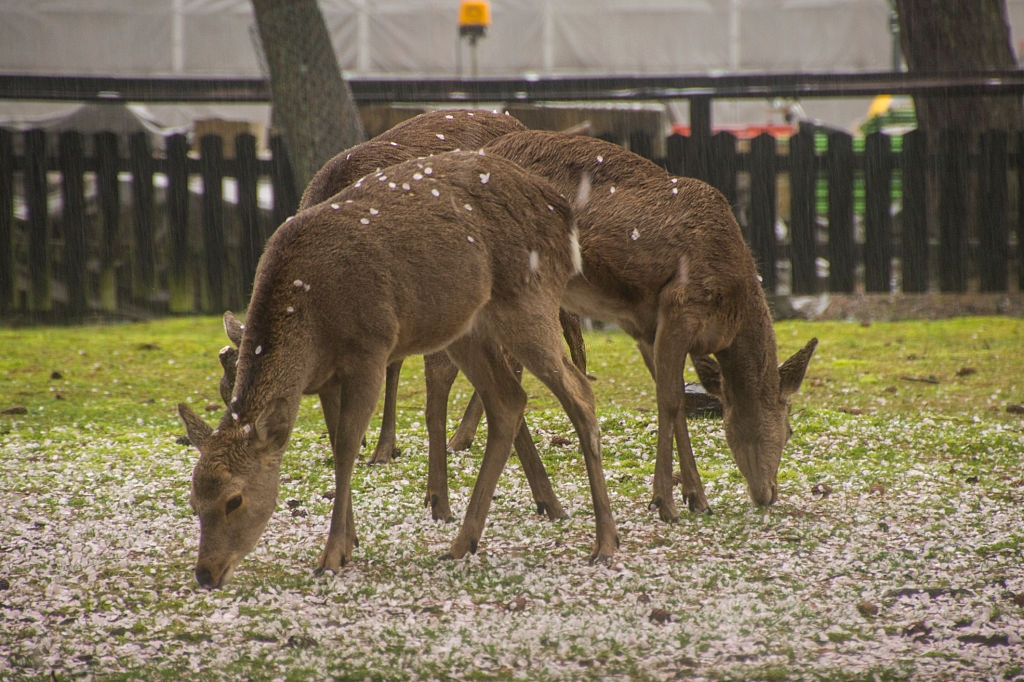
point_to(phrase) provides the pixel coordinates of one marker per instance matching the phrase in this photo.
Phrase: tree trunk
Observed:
(312, 103)
(954, 36)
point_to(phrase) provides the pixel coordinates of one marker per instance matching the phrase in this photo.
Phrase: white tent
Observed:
(416, 37)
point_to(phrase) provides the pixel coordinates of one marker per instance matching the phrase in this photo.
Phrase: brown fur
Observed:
(429, 133)
(664, 257)
(364, 279)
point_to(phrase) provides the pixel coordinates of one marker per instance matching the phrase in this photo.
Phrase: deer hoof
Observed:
(667, 512)
(472, 546)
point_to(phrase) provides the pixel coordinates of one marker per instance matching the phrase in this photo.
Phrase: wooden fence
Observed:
(100, 229)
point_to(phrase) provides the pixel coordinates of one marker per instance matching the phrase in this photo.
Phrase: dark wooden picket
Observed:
(953, 180)
(8, 280)
(914, 238)
(172, 262)
(803, 178)
(839, 165)
(993, 230)
(877, 216)
(763, 241)
(76, 255)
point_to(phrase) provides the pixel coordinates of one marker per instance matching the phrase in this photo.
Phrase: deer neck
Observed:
(750, 364)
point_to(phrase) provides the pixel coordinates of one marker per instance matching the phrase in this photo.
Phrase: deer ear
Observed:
(228, 360)
(198, 430)
(710, 374)
(791, 373)
(233, 328)
(274, 424)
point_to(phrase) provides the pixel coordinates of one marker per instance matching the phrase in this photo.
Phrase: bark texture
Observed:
(955, 36)
(313, 105)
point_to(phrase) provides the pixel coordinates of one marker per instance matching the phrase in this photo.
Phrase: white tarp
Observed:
(414, 37)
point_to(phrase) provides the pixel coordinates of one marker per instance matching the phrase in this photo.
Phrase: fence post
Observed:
(675, 154)
(286, 198)
(724, 165)
(1020, 211)
(763, 208)
(953, 179)
(914, 247)
(38, 222)
(803, 176)
(8, 280)
(877, 213)
(76, 247)
(211, 168)
(994, 233)
(143, 258)
(110, 211)
(251, 237)
(179, 283)
(842, 258)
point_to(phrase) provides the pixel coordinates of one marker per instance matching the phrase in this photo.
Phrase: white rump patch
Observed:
(583, 191)
(684, 270)
(534, 261)
(574, 245)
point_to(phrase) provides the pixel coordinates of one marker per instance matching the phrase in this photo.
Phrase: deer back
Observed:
(402, 260)
(422, 135)
(640, 227)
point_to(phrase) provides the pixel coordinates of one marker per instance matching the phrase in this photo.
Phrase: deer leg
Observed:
(573, 334)
(537, 475)
(439, 372)
(356, 402)
(463, 436)
(692, 486)
(330, 403)
(504, 400)
(533, 340)
(386, 448)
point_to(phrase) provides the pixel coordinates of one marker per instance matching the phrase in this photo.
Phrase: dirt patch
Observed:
(889, 307)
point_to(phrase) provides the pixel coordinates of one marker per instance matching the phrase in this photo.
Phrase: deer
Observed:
(665, 259)
(421, 135)
(468, 253)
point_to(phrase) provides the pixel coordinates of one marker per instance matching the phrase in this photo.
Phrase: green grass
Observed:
(902, 488)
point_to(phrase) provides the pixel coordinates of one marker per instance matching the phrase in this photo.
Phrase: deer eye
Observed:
(233, 504)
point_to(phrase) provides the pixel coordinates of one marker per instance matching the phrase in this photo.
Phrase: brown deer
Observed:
(664, 258)
(431, 132)
(468, 253)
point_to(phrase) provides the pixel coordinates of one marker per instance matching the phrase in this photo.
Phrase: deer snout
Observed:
(764, 495)
(208, 578)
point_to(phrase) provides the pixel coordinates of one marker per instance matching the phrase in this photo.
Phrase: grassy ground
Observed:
(896, 550)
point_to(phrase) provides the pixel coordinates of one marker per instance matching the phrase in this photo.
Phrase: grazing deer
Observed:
(425, 134)
(466, 252)
(664, 258)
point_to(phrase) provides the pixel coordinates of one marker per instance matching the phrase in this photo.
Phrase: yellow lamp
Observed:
(474, 18)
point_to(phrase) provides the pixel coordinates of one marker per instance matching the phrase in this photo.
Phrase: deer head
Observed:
(234, 485)
(757, 433)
